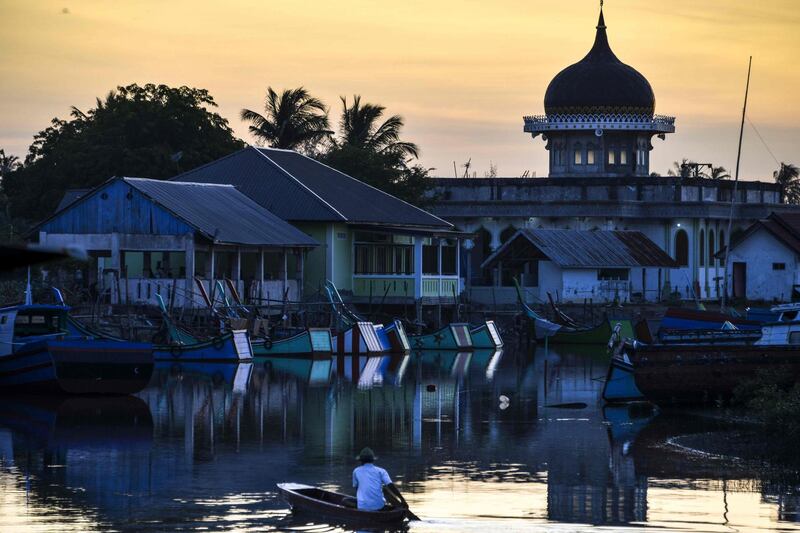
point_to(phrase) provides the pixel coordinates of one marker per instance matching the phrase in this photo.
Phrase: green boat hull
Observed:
(597, 335)
(486, 336)
(313, 340)
(452, 337)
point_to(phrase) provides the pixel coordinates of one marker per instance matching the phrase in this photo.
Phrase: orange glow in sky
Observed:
(462, 73)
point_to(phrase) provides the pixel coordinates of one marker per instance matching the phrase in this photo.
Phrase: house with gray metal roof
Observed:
(576, 265)
(374, 245)
(151, 237)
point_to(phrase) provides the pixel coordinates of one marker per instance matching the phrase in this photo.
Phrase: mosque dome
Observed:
(600, 83)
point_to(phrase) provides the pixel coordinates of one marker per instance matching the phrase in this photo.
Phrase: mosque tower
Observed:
(599, 117)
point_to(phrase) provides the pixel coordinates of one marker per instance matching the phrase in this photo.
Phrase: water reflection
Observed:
(477, 440)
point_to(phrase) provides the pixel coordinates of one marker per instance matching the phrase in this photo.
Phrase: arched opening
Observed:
(480, 251)
(578, 150)
(681, 248)
(702, 248)
(711, 249)
(590, 155)
(721, 239)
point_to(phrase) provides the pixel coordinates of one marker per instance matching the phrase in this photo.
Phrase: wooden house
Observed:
(578, 265)
(374, 246)
(153, 237)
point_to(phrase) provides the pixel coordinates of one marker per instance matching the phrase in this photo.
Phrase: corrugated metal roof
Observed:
(298, 188)
(784, 227)
(70, 195)
(591, 249)
(221, 213)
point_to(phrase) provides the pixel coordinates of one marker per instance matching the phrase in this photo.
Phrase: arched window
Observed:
(721, 239)
(612, 155)
(702, 248)
(590, 155)
(681, 248)
(578, 154)
(711, 249)
(623, 157)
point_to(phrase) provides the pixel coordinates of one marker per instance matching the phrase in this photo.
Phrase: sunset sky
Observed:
(461, 73)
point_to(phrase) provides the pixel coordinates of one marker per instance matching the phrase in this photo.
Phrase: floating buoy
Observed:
(504, 402)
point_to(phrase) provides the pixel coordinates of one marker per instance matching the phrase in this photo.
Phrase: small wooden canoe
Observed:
(325, 503)
(599, 334)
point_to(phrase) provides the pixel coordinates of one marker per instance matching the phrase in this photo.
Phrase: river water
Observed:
(507, 441)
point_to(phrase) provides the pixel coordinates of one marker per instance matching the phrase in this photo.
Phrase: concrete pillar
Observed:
(116, 262)
(417, 268)
(188, 289)
(285, 268)
(495, 231)
(301, 256)
(260, 275)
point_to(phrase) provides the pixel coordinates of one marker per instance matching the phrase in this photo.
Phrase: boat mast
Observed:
(735, 188)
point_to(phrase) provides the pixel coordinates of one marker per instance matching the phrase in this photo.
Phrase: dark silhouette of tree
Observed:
(718, 173)
(787, 177)
(152, 131)
(293, 120)
(359, 127)
(370, 149)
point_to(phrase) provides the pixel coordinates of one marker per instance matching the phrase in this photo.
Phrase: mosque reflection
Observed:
(210, 432)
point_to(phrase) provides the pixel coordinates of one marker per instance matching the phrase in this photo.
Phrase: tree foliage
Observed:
(371, 149)
(788, 177)
(151, 131)
(293, 120)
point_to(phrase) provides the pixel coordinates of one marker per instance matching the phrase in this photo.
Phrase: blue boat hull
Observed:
(620, 385)
(77, 366)
(222, 349)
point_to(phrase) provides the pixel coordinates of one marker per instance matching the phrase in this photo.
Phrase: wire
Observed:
(763, 141)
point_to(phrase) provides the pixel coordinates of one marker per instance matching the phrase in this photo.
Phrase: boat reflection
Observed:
(468, 435)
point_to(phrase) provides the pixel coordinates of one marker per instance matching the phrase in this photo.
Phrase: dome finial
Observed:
(601, 23)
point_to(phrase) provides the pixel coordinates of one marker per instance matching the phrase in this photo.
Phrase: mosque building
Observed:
(599, 127)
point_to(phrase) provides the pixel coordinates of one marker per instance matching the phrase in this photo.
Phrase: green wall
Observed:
(316, 268)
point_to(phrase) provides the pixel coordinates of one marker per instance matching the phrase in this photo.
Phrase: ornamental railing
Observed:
(592, 121)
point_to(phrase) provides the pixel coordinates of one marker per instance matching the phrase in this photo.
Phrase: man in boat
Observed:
(370, 481)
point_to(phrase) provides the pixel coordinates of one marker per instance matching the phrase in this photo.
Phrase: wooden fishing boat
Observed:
(541, 328)
(451, 337)
(233, 346)
(710, 369)
(393, 337)
(312, 340)
(486, 336)
(334, 505)
(38, 354)
(359, 339)
(678, 318)
(598, 334)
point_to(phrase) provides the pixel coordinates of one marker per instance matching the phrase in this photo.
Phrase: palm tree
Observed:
(682, 169)
(294, 119)
(359, 128)
(719, 173)
(787, 178)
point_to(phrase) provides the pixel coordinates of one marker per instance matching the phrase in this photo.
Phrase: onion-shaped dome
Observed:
(599, 83)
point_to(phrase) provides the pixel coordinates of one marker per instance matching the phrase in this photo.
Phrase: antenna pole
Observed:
(735, 189)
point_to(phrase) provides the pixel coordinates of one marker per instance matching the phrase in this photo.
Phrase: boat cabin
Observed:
(30, 322)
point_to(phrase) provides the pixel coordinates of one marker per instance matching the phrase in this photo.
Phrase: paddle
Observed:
(397, 503)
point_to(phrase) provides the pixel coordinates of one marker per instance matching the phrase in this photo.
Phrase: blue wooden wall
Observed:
(124, 210)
